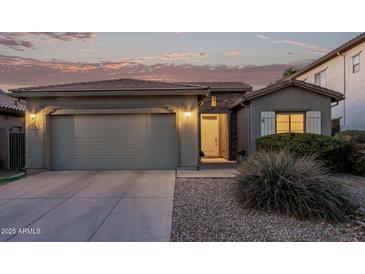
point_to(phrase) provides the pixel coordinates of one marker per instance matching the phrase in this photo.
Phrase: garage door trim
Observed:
(93, 111)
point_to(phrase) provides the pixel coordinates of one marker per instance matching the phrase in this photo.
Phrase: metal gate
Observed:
(16, 150)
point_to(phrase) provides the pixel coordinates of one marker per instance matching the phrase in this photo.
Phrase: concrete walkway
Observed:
(208, 173)
(88, 206)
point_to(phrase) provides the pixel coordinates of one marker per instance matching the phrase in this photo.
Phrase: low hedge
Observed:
(356, 157)
(332, 151)
(355, 136)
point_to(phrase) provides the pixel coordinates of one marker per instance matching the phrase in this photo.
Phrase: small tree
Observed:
(289, 72)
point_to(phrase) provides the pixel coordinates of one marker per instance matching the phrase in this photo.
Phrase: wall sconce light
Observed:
(187, 114)
(33, 116)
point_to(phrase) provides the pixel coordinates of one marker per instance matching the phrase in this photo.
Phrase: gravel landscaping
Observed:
(209, 209)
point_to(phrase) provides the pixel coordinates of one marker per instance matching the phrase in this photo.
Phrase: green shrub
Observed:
(357, 159)
(355, 136)
(356, 155)
(280, 181)
(331, 150)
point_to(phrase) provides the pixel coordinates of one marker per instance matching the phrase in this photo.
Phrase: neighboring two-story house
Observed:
(342, 70)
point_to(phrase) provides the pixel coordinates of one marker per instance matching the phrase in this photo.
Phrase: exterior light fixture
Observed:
(33, 116)
(187, 114)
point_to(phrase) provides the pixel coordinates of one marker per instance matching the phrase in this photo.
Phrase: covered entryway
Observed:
(214, 132)
(113, 141)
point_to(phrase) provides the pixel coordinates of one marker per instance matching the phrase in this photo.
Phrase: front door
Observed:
(210, 135)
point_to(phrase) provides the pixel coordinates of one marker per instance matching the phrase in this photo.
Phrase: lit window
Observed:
(356, 63)
(290, 122)
(320, 78)
(214, 101)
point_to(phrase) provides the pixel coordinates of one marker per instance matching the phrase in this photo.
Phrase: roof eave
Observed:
(335, 97)
(166, 92)
(12, 111)
(101, 90)
(241, 90)
(242, 103)
(246, 101)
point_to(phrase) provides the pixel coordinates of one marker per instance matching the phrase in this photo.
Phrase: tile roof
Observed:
(344, 47)
(334, 95)
(216, 86)
(9, 103)
(113, 85)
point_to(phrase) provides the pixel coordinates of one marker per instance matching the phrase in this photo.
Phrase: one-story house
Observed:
(139, 124)
(11, 120)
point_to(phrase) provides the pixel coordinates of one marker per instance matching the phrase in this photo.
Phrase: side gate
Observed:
(16, 150)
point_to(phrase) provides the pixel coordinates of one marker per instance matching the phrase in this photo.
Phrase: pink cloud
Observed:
(18, 71)
(233, 53)
(202, 54)
(68, 36)
(19, 62)
(302, 45)
(178, 56)
(8, 41)
(19, 41)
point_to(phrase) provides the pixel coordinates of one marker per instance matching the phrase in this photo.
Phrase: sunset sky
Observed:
(256, 58)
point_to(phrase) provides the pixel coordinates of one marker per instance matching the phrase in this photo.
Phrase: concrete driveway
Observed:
(88, 206)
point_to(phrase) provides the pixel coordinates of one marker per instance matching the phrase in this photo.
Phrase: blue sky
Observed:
(257, 58)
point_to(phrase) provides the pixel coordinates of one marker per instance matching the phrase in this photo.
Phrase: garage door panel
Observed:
(125, 149)
(98, 162)
(122, 136)
(65, 139)
(113, 142)
(66, 148)
(68, 162)
(104, 121)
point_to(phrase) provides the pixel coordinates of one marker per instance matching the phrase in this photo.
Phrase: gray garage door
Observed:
(126, 141)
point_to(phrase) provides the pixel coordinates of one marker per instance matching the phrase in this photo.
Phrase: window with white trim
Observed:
(320, 78)
(290, 122)
(356, 63)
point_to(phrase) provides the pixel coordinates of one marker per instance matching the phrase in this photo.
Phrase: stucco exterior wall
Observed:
(37, 132)
(225, 100)
(352, 109)
(7, 122)
(243, 129)
(288, 99)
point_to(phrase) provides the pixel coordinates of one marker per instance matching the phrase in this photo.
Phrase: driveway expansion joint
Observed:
(111, 210)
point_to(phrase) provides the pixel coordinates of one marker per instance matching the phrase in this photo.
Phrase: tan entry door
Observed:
(210, 135)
